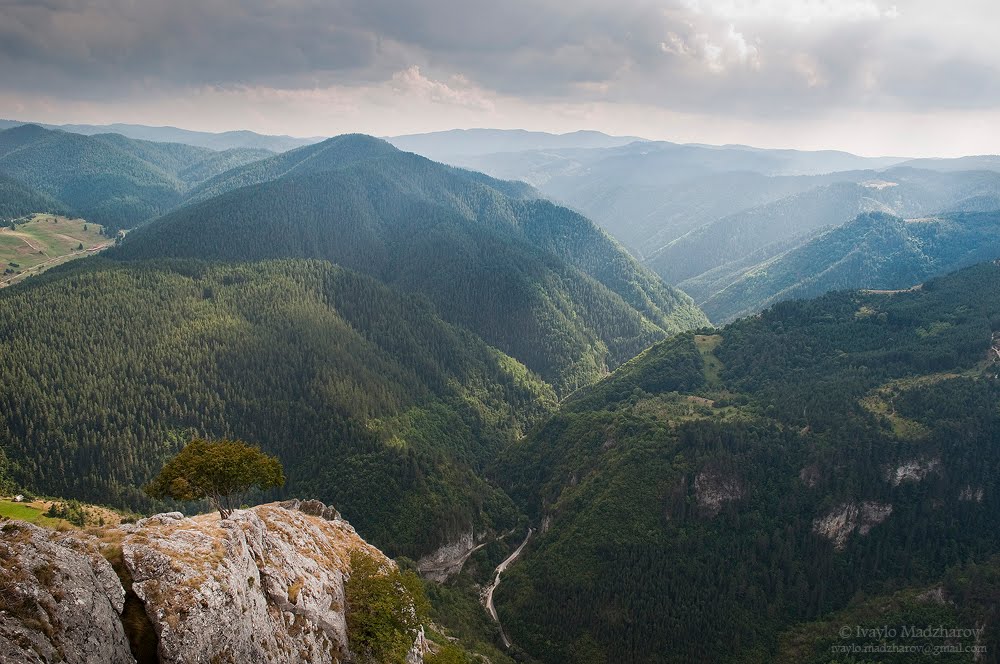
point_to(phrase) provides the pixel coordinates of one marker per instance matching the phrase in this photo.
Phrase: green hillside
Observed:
(98, 181)
(17, 201)
(371, 401)
(108, 179)
(43, 241)
(721, 489)
(874, 251)
(537, 281)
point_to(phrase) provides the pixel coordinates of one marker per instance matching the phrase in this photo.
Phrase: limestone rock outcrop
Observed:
(714, 489)
(265, 585)
(839, 523)
(60, 600)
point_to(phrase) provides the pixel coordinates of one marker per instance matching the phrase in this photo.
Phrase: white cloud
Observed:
(460, 92)
(731, 49)
(794, 11)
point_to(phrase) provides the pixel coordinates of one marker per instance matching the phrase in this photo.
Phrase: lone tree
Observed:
(220, 470)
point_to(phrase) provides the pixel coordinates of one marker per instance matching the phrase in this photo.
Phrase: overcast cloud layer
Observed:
(914, 77)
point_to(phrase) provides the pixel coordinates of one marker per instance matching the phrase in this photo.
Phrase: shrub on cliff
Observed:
(385, 609)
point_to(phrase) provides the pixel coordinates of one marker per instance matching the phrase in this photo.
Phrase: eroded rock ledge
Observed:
(264, 586)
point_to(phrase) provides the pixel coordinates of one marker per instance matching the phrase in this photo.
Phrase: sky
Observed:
(907, 78)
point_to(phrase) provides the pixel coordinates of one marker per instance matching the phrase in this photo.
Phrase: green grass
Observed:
(24, 512)
(707, 343)
(44, 241)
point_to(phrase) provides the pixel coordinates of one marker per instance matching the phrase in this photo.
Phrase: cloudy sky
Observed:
(907, 77)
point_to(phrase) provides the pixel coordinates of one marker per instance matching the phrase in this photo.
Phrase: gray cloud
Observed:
(753, 58)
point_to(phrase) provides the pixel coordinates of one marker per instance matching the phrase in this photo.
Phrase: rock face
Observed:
(972, 494)
(449, 559)
(912, 471)
(60, 600)
(838, 525)
(714, 489)
(265, 585)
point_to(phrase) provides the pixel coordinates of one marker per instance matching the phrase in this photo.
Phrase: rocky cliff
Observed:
(266, 585)
(60, 600)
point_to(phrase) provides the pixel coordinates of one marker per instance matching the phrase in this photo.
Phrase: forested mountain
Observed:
(18, 200)
(385, 393)
(370, 400)
(826, 451)
(216, 163)
(903, 191)
(331, 154)
(537, 281)
(98, 181)
(221, 141)
(107, 178)
(191, 165)
(875, 251)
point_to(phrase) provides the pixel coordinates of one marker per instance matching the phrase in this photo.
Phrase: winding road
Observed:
(488, 593)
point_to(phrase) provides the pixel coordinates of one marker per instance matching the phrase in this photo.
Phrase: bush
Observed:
(385, 609)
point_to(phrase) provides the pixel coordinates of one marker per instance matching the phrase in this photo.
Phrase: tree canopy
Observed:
(220, 470)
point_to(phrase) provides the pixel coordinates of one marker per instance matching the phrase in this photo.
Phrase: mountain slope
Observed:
(874, 251)
(368, 398)
(108, 178)
(763, 477)
(189, 164)
(331, 154)
(98, 180)
(902, 191)
(538, 281)
(18, 200)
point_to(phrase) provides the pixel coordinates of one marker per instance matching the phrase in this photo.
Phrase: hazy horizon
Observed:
(913, 78)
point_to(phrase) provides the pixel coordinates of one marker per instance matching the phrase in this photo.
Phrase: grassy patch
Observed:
(706, 344)
(44, 241)
(31, 513)
(880, 402)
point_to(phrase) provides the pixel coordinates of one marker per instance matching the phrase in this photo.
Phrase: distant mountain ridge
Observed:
(900, 191)
(220, 141)
(875, 251)
(458, 143)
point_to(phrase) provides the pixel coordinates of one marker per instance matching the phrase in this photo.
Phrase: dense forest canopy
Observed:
(829, 447)
(875, 251)
(370, 400)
